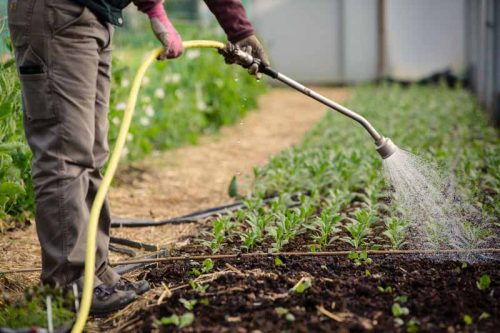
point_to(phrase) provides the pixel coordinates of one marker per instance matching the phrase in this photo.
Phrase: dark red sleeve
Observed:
(232, 18)
(145, 5)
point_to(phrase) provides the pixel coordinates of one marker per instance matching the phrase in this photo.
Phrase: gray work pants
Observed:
(63, 53)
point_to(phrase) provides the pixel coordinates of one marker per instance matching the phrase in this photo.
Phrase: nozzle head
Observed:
(386, 148)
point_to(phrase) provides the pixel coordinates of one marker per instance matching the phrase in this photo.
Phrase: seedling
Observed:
(484, 316)
(325, 226)
(412, 326)
(302, 285)
(401, 299)
(484, 282)
(468, 320)
(395, 232)
(359, 228)
(387, 289)
(284, 312)
(188, 304)
(221, 227)
(182, 321)
(207, 266)
(256, 226)
(399, 311)
(201, 288)
(278, 262)
(359, 258)
(285, 229)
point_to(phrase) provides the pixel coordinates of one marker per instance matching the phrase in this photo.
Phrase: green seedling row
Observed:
(345, 199)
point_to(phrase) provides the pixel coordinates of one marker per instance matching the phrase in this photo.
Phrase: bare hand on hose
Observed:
(251, 45)
(165, 32)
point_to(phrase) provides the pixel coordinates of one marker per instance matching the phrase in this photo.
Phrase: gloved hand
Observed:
(252, 46)
(165, 32)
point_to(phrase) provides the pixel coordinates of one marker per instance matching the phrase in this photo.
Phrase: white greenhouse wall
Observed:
(336, 41)
(423, 37)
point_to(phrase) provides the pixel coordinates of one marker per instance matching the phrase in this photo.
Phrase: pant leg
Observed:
(57, 45)
(101, 152)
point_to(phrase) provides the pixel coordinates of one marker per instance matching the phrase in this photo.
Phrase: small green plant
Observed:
(221, 227)
(284, 312)
(395, 232)
(412, 326)
(182, 321)
(278, 262)
(325, 227)
(287, 227)
(359, 258)
(468, 320)
(188, 304)
(31, 310)
(198, 287)
(484, 282)
(302, 285)
(206, 267)
(387, 289)
(256, 226)
(359, 228)
(399, 311)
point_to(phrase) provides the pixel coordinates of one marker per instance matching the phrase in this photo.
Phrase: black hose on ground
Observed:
(133, 244)
(119, 222)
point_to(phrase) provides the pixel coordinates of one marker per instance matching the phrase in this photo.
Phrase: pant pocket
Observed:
(35, 83)
(63, 13)
(37, 99)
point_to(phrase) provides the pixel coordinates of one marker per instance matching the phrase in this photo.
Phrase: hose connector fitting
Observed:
(386, 148)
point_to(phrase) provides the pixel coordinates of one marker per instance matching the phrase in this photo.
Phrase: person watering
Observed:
(63, 55)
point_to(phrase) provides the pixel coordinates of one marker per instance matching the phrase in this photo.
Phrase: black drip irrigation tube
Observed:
(119, 222)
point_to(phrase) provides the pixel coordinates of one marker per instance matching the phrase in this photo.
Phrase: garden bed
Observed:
(254, 294)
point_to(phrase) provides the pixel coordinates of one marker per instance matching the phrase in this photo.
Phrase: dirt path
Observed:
(191, 178)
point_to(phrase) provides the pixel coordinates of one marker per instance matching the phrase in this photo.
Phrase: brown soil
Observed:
(244, 296)
(187, 179)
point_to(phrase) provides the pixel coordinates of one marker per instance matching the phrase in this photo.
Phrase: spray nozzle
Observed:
(386, 148)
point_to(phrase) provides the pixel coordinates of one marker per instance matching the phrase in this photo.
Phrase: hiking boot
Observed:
(139, 287)
(107, 299)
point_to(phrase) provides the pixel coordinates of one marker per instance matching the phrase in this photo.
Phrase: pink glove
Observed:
(165, 32)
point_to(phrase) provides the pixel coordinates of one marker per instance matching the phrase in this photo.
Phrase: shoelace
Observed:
(103, 290)
(125, 283)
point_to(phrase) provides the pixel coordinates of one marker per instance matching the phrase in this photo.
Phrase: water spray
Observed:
(384, 146)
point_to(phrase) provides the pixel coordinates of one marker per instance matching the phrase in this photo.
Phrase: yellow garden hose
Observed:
(108, 177)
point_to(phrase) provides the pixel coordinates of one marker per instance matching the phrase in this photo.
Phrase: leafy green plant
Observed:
(31, 310)
(287, 226)
(359, 228)
(399, 311)
(360, 258)
(468, 319)
(325, 227)
(395, 231)
(221, 227)
(206, 267)
(188, 304)
(301, 286)
(181, 321)
(484, 282)
(256, 226)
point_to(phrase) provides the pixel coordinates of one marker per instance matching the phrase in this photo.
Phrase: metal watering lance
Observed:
(384, 146)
